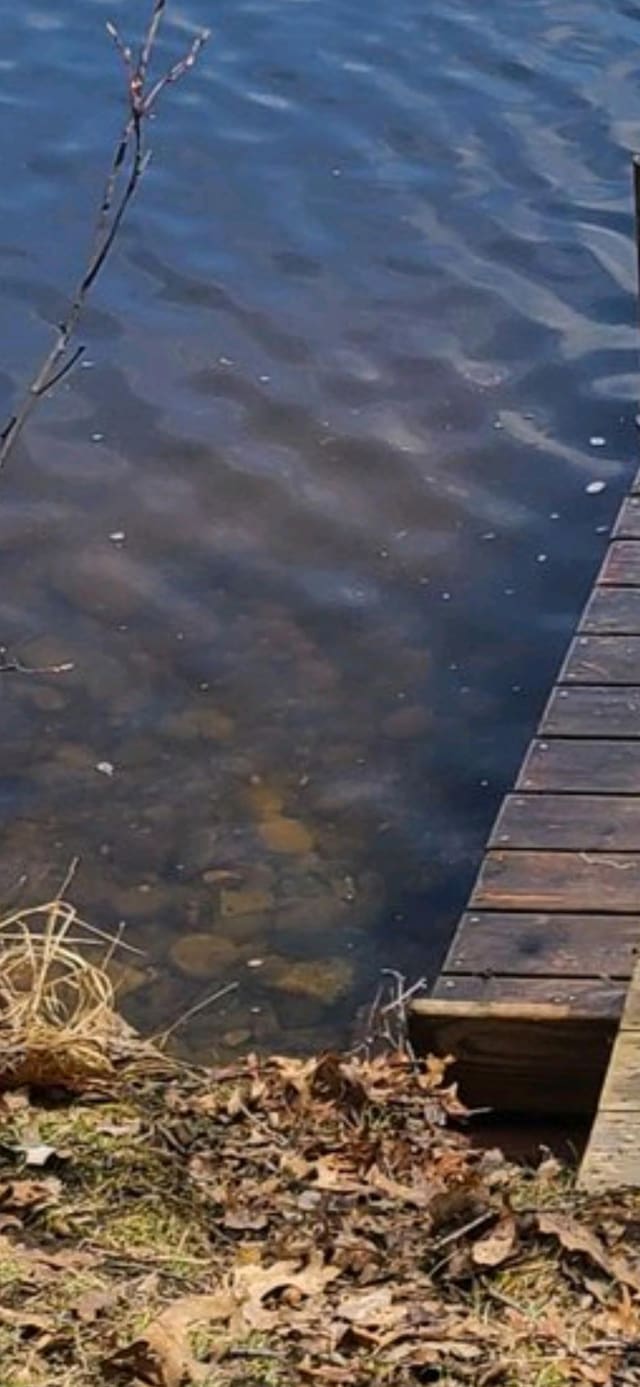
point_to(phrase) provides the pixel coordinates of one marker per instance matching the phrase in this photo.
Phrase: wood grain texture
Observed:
(585, 995)
(577, 822)
(622, 563)
(545, 944)
(590, 766)
(602, 660)
(517, 1058)
(612, 1157)
(592, 711)
(627, 525)
(621, 1088)
(564, 881)
(612, 611)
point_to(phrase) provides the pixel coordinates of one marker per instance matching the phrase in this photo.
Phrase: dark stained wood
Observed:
(532, 990)
(612, 611)
(589, 822)
(592, 711)
(548, 945)
(591, 766)
(584, 995)
(502, 1052)
(563, 881)
(602, 660)
(627, 525)
(622, 563)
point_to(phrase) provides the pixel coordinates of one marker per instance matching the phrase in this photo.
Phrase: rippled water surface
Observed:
(342, 381)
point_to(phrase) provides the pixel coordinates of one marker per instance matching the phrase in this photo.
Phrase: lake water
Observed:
(342, 382)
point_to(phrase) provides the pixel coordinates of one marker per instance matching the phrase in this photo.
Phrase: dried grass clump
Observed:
(59, 1027)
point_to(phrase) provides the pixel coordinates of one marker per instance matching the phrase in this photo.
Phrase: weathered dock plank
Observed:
(572, 766)
(598, 946)
(602, 660)
(612, 612)
(542, 957)
(622, 564)
(595, 823)
(592, 711)
(612, 1157)
(560, 881)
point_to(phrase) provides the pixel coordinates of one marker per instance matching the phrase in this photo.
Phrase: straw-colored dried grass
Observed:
(59, 1027)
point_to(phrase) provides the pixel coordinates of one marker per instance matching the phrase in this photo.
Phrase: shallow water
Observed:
(342, 381)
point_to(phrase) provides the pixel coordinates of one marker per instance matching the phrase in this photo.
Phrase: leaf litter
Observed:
(285, 1221)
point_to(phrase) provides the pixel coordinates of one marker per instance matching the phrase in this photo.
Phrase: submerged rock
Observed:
(203, 955)
(323, 980)
(199, 722)
(245, 900)
(280, 834)
(406, 722)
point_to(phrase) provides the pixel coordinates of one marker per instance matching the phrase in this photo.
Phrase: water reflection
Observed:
(312, 522)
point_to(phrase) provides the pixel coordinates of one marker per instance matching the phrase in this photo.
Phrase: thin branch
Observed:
(119, 189)
(79, 351)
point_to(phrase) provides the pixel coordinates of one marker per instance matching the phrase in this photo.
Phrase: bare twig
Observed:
(129, 162)
(13, 665)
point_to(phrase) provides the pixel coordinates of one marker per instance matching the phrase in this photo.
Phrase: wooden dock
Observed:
(533, 987)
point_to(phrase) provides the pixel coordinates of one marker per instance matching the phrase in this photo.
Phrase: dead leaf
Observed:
(29, 1194)
(371, 1307)
(88, 1306)
(255, 1282)
(244, 1221)
(575, 1237)
(161, 1356)
(496, 1246)
(26, 1321)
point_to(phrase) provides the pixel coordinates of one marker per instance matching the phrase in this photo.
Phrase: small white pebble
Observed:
(97, 437)
(555, 515)
(265, 379)
(597, 441)
(446, 597)
(255, 962)
(541, 558)
(117, 536)
(86, 365)
(594, 488)
(225, 361)
(105, 767)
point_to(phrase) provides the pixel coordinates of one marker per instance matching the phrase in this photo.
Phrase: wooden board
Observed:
(592, 712)
(501, 1049)
(589, 822)
(612, 611)
(612, 1157)
(622, 564)
(602, 660)
(549, 945)
(563, 881)
(627, 525)
(576, 767)
(604, 997)
(553, 922)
